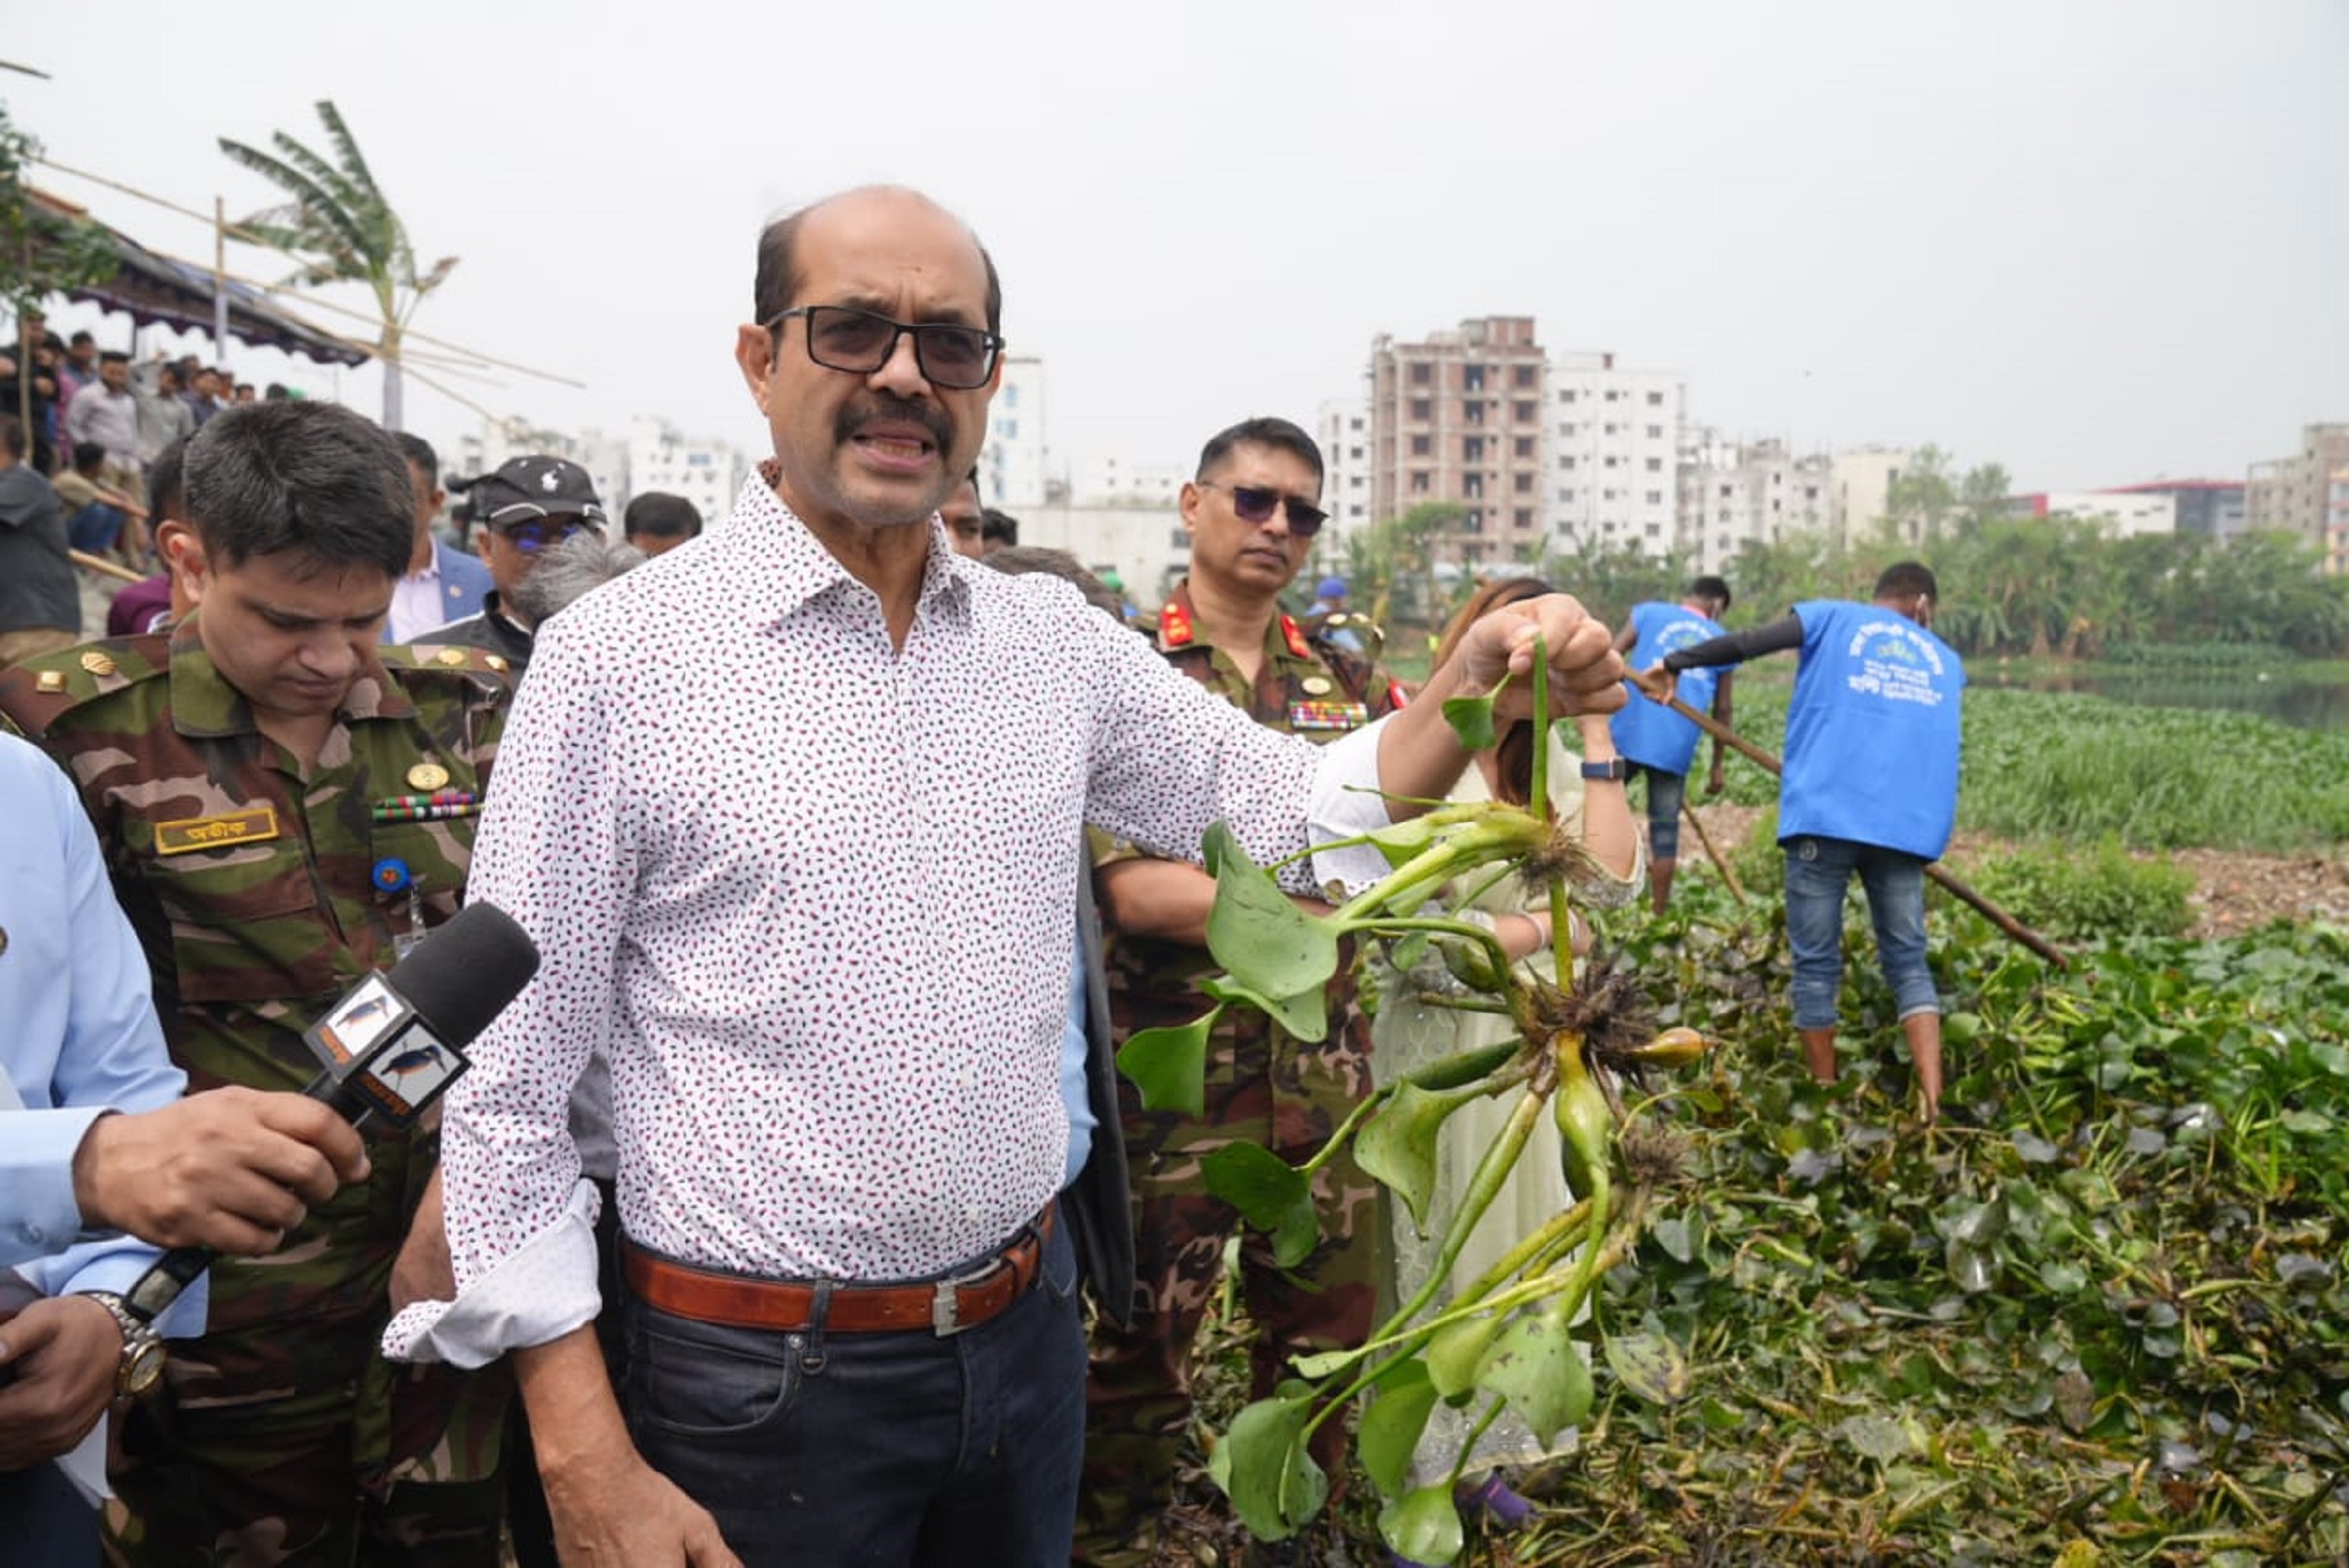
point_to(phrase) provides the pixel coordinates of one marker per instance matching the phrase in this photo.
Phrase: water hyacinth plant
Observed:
(1509, 1340)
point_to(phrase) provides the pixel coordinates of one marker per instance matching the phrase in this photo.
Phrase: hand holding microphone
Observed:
(387, 1050)
(228, 1168)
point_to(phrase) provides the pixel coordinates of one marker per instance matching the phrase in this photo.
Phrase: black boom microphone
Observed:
(391, 1046)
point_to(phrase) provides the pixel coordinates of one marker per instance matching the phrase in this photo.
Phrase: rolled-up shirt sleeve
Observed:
(551, 852)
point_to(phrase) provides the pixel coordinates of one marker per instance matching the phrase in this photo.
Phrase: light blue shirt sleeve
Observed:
(1075, 1048)
(81, 1036)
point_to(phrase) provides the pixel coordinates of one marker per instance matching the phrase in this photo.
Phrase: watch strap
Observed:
(1613, 768)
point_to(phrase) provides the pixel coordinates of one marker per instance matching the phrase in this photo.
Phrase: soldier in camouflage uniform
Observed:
(1250, 513)
(258, 778)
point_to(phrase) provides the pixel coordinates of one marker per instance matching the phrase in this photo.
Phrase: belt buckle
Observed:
(945, 1302)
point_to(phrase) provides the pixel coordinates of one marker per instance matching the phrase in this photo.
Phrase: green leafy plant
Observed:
(1510, 1339)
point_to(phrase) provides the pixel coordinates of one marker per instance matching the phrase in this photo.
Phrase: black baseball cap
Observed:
(523, 489)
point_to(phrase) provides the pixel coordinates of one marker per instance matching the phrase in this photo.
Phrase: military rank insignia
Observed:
(1326, 715)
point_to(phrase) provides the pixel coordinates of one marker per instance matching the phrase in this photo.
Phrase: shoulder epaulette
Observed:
(36, 694)
(477, 666)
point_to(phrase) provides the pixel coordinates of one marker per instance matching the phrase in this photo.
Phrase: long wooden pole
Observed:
(1990, 911)
(1728, 873)
(100, 563)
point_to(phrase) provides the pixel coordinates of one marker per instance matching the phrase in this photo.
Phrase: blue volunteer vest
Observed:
(1647, 732)
(1872, 731)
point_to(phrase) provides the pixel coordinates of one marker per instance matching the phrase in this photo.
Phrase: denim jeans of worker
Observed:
(45, 1521)
(898, 1449)
(94, 529)
(1665, 792)
(1818, 870)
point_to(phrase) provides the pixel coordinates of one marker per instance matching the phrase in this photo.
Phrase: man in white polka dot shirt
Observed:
(788, 815)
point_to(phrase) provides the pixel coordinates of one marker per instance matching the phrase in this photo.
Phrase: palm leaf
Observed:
(321, 222)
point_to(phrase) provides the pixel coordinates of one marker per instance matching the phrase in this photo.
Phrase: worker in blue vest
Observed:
(1869, 787)
(1658, 743)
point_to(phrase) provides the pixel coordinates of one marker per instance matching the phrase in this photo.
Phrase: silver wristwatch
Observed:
(141, 1347)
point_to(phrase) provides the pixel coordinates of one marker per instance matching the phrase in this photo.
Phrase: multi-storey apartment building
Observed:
(1612, 436)
(1459, 418)
(2290, 494)
(1733, 493)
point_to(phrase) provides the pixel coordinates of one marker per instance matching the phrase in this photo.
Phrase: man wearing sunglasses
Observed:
(1251, 514)
(803, 875)
(527, 508)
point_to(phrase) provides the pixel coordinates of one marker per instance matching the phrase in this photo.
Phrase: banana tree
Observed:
(1509, 1339)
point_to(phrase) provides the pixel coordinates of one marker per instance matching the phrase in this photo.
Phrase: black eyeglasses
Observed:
(1255, 503)
(841, 337)
(535, 535)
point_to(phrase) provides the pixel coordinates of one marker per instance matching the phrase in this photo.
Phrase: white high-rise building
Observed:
(1732, 494)
(1342, 428)
(1610, 449)
(604, 457)
(1112, 481)
(1860, 491)
(706, 472)
(1015, 465)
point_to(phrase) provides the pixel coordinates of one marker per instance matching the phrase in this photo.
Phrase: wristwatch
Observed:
(1613, 768)
(141, 1347)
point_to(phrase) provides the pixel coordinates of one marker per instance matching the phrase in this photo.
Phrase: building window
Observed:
(1566, 396)
(1655, 465)
(1524, 515)
(1654, 529)
(1472, 487)
(1011, 396)
(1419, 481)
(1525, 377)
(1523, 483)
(1472, 449)
(1655, 497)
(1523, 447)
(1724, 492)
(1475, 409)
(1422, 373)
(1566, 495)
(1423, 407)
(1566, 429)
(1566, 463)
(1525, 412)
(1613, 395)
(1654, 400)
(1654, 432)
(1613, 461)
(1423, 446)
(1472, 377)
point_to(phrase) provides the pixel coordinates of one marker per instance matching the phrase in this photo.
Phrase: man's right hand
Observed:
(624, 1512)
(231, 1169)
(1659, 684)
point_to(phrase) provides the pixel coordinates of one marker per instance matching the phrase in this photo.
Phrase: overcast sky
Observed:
(2097, 242)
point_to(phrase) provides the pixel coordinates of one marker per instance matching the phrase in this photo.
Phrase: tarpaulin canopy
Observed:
(154, 289)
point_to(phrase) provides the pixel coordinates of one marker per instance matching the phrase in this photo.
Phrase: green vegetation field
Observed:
(2100, 1316)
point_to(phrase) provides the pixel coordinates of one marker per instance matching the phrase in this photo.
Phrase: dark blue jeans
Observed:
(1818, 870)
(44, 1521)
(95, 527)
(886, 1449)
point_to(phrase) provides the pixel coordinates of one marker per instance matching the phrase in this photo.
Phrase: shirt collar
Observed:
(788, 568)
(203, 706)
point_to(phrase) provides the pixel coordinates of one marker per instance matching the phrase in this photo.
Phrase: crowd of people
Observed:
(853, 837)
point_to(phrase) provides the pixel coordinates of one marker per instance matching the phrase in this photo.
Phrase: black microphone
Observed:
(390, 1047)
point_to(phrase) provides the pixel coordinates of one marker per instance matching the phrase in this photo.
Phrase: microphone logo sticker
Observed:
(361, 1020)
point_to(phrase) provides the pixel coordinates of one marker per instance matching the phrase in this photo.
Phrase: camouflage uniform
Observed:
(282, 1435)
(1263, 1086)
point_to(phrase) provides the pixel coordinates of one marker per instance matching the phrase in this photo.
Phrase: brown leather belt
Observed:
(942, 1306)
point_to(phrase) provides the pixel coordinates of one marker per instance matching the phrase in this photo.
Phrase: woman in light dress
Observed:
(1410, 1033)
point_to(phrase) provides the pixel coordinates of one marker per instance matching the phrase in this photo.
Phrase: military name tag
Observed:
(216, 832)
(1328, 716)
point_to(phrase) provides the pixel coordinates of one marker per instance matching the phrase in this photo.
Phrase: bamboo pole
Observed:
(1719, 861)
(100, 564)
(1990, 911)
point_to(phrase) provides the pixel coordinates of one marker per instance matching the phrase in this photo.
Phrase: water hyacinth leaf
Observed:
(1321, 1363)
(1273, 1483)
(1650, 1365)
(1391, 1424)
(1971, 1251)
(1168, 1064)
(1536, 1366)
(1266, 943)
(1471, 720)
(1423, 1527)
(1400, 841)
(1878, 1438)
(1398, 1145)
(2033, 1149)
(1456, 1351)
(1303, 1015)
(1269, 1193)
(1674, 1237)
